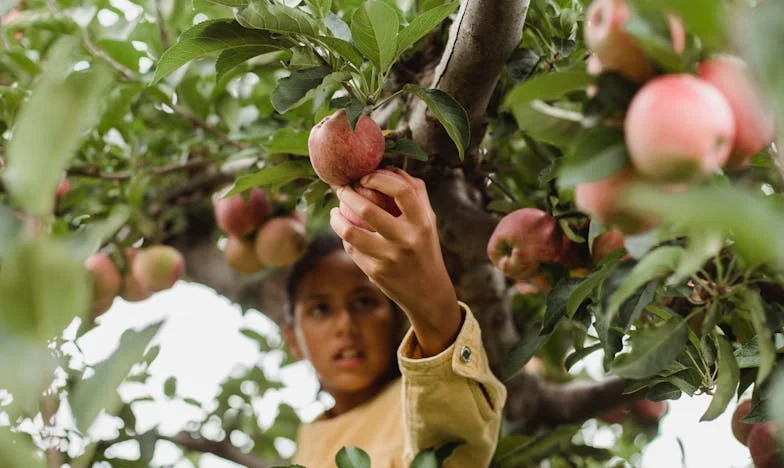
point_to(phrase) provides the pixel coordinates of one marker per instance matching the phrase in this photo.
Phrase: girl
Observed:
(346, 298)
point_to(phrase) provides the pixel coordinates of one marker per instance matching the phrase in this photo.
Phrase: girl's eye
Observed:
(363, 303)
(319, 310)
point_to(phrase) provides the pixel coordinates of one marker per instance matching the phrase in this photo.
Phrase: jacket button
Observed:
(465, 354)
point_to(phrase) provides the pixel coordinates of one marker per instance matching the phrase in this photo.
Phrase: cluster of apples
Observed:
(759, 438)
(526, 238)
(149, 270)
(256, 240)
(341, 156)
(679, 127)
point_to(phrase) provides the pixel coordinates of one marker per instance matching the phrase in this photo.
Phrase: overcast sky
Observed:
(201, 345)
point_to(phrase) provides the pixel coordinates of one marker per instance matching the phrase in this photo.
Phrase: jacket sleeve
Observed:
(452, 397)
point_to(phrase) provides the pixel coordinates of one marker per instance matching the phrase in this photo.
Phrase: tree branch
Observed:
(95, 172)
(224, 449)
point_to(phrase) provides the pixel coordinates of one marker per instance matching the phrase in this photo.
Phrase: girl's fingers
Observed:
(377, 217)
(397, 187)
(361, 239)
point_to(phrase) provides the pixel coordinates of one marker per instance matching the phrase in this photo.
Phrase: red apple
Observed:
(739, 428)
(600, 200)
(679, 127)
(241, 256)
(62, 188)
(384, 201)
(131, 290)
(754, 122)
(522, 240)
(615, 415)
(158, 267)
(106, 278)
(606, 243)
(340, 155)
(615, 49)
(649, 412)
(763, 446)
(281, 242)
(238, 217)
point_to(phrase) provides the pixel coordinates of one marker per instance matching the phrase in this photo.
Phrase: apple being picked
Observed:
(342, 156)
(522, 241)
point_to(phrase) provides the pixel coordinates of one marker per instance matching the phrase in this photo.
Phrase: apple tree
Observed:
(605, 174)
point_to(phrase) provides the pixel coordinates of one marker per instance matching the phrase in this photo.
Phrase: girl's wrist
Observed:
(437, 327)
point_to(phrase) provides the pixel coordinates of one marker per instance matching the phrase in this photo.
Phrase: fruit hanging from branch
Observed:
(281, 242)
(158, 267)
(239, 217)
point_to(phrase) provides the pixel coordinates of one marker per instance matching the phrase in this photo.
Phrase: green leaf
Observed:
(64, 104)
(170, 387)
(16, 448)
(425, 459)
(292, 89)
(275, 17)
(231, 3)
(767, 351)
(352, 457)
(374, 28)
(587, 286)
(557, 303)
(727, 382)
(705, 18)
(99, 392)
(690, 210)
(274, 176)
(287, 141)
(86, 242)
(343, 48)
(42, 288)
(597, 154)
(10, 227)
(580, 354)
(547, 86)
(549, 124)
(408, 148)
(656, 264)
(422, 24)
(449, 112)
(208, 37)
(236, 56)
(652, 350)
(656, 43)
(522, 352)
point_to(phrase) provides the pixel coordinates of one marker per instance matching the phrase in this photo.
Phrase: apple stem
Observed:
(503, 189)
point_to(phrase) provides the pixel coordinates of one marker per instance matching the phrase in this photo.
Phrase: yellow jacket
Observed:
(450, 397)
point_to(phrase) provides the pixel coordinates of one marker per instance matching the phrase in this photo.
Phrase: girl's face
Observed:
(343, 325)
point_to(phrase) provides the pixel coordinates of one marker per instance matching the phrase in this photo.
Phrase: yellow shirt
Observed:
(450, 397)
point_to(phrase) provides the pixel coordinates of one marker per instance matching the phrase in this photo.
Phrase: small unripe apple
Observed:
(649, 412)
(281, 242)
(241, 256)
(763, 446)
(601, 200)
(158, 267)
(678, 128)
(238, 217)
(106, 278)
(340, 155)
(614, 47)
(62, 188)
(606, 243)
(755, 127)
(741, 429)
(522, 241)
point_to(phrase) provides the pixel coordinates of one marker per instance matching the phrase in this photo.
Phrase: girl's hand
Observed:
(403, 257)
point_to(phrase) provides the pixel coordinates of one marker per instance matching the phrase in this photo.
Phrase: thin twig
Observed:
(165, 42)
(94, 172)
(503, 189)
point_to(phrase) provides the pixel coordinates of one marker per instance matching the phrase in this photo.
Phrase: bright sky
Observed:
(201, 345)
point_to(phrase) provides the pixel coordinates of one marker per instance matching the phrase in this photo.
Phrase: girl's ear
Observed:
(291, 340)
